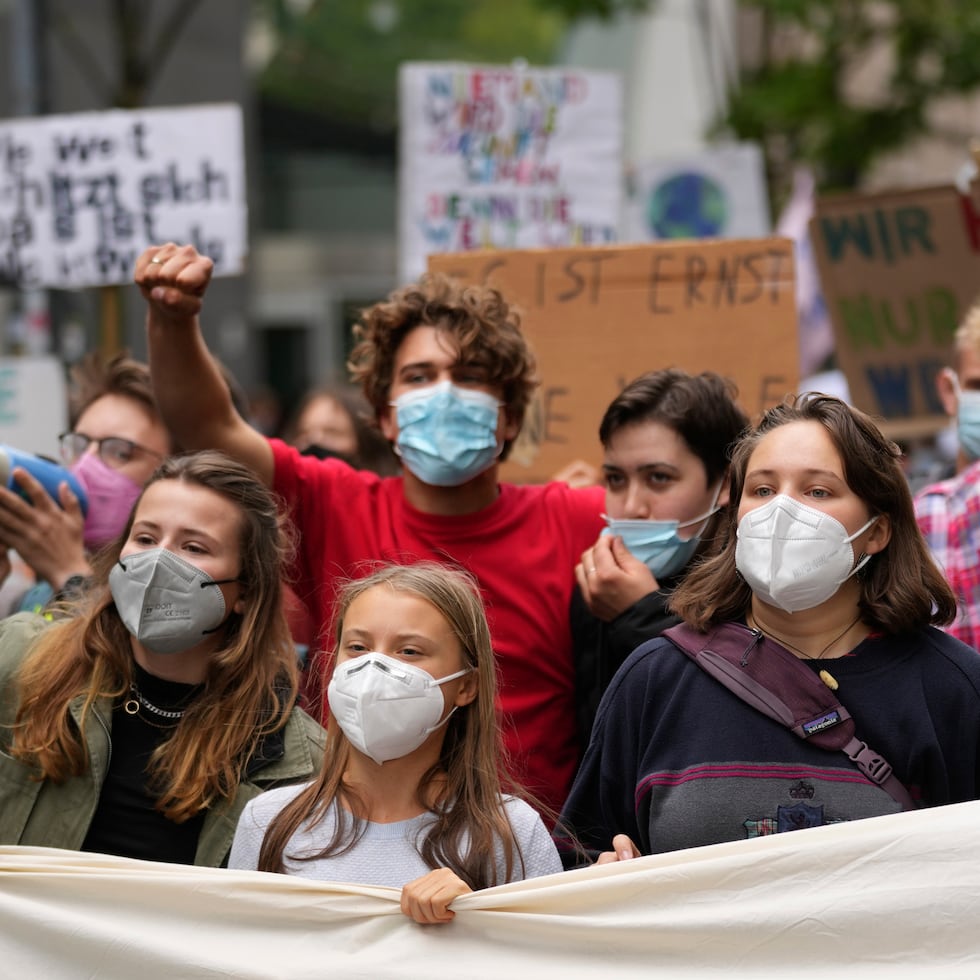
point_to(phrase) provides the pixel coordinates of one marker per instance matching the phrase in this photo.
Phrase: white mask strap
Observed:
(711, 511)
(866, 557)
(452, 677)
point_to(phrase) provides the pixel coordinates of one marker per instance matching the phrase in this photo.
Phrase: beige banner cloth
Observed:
(895, 896)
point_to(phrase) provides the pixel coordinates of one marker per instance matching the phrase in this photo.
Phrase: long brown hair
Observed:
(463, 789)
(251, 681)
(902, 589)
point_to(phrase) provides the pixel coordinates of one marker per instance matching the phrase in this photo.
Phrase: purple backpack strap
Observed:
(772, 680)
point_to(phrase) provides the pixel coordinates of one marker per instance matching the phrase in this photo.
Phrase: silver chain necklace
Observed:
(137, 700)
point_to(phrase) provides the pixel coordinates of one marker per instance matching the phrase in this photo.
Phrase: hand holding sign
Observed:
(173, 280)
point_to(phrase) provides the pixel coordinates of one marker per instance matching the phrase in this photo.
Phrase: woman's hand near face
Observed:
(623, 850)
(49, 538)
(611, 579)
(427, 899)
(173, 280)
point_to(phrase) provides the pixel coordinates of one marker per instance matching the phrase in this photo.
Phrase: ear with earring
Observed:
(863, 562)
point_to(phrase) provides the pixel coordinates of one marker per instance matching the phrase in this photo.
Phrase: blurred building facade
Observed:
(323, 204)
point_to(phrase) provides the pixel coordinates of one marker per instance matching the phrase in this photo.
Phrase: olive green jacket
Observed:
(46, 814)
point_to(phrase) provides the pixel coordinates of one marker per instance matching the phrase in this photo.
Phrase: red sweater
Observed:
(522, 549)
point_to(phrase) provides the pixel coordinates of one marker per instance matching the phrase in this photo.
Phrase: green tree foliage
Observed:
(839, 83)
(338, 59)
(842, 82)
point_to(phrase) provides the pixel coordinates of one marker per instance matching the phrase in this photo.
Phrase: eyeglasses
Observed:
(114, 451)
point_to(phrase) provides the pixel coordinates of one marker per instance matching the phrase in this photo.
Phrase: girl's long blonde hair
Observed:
(464, 789)
(251, 683)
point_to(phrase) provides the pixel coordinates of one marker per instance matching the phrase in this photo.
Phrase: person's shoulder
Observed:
(525, 820)
(263, 808)
(558, 501)
(959, 659)
(948, 646)
(519, 810)
(653, 661)
(961, 485)
(292, 471)
(18, 632)
(312, 730)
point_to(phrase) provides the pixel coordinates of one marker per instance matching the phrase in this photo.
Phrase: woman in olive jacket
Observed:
(141, 723)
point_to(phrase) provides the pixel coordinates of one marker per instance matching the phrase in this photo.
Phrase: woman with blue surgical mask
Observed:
(666, 440)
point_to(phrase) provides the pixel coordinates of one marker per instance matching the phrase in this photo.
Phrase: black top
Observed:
(599, 648)
(126, 822)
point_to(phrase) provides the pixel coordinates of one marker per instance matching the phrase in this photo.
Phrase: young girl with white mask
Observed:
(142, 722)
(666, 441)
(823, 558)
(410, 793)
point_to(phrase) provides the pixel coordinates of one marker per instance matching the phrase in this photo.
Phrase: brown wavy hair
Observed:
(482, 326)
(93, 378)
(251, 683)
(464, 789)
(902, 589)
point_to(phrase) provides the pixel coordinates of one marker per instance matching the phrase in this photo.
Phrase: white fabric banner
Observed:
(82, 195)
(895, 897)
(496, 156)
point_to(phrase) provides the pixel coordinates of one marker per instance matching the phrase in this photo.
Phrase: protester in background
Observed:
(410, 793)
(125, 730)
(823, 558)
(666, 439)
(334, 421)
(948, 511)
(449, 376)
(116, 441)
(959, 388)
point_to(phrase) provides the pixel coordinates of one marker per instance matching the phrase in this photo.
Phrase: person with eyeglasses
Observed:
(116, 442)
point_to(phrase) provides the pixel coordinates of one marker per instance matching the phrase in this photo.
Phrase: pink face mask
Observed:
(111, 496)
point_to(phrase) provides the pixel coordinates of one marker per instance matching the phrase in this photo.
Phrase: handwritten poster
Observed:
(82, 195)
(500, 157)
(599, 317)
(898, 270)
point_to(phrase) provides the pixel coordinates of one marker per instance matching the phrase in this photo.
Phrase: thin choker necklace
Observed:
(137, 700)
(803, 653)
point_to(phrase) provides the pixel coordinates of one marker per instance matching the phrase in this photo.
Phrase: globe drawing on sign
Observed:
(688, 205)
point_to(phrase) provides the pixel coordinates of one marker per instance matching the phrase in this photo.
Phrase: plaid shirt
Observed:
(948, 513)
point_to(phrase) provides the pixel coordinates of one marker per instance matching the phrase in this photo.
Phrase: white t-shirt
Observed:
(386, 854)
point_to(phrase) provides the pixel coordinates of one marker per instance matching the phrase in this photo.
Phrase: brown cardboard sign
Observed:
(597, 317)
(898, 271)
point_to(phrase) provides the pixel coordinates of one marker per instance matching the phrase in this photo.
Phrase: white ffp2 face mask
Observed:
(385, 707)
(793, 556)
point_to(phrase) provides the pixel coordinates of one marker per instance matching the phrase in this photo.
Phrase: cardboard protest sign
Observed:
(82, 195)
(599, 317)
(506, 157)
(898, 271)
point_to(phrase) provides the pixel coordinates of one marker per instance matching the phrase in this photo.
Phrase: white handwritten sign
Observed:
(82, 195)
(501, 157)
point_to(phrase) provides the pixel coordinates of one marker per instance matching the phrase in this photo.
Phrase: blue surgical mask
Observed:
(657, 543)
(447, 435)
(967, 418)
